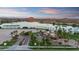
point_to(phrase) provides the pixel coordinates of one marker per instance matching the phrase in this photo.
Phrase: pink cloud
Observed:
(49, 11)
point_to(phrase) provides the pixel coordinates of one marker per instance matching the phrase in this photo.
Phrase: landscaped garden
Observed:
(38, 39)
(43, 39)
(68, 35)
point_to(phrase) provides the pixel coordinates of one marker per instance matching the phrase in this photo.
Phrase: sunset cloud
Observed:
(39, 12)
(49, 11)
(14, 12)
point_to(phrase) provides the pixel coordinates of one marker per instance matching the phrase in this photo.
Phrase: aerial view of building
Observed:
(39, 28)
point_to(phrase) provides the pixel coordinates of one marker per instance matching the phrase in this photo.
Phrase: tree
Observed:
(74, 25)
(16, 32)
(12, 34)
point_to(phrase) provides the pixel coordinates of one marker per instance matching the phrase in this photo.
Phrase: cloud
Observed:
(49, 11)
(10, 12)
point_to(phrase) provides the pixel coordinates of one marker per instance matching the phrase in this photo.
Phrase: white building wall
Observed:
(39, 25)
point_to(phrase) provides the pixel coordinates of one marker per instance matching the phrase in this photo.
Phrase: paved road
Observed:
(23, 40)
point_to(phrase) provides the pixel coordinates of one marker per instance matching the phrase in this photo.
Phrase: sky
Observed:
(40, 12)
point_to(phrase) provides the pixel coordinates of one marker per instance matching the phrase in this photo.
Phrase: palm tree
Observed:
(15, 32)
(12, 34)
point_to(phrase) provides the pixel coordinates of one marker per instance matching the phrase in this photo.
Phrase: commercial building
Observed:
(37, 25)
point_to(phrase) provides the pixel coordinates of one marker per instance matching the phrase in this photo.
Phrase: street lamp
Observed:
(5, 44)
(35, 43)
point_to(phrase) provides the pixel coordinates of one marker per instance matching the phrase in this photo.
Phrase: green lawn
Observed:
(8, 43)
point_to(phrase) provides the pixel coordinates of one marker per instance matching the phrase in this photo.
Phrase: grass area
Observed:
(33, 41)
(36, 42)
(7, 44)
(23, 33)
(46, 42)
(68, 35)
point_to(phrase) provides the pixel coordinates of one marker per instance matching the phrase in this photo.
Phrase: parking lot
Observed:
(5, 34)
